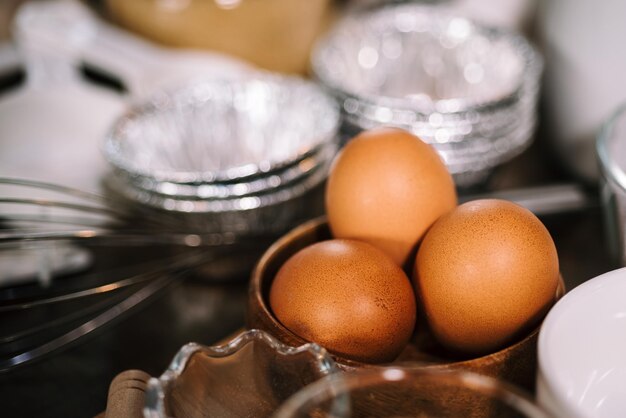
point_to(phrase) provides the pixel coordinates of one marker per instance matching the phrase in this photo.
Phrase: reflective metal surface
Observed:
(52, 292)
(219, 131)
(237, 156)
(468, 90)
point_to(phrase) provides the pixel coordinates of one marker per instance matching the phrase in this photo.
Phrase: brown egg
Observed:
(347, 296)
(486, 274)
(387, 187)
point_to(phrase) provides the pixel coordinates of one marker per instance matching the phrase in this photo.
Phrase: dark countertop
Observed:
(75, 382)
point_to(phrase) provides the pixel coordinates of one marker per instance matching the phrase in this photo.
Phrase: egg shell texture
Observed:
(387, 187)
(347, 296)
(486, 274)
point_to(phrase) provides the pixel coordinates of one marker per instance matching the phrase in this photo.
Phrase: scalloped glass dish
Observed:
(249, 376)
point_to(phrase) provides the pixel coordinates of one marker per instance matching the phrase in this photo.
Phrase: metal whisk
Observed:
(54, 243)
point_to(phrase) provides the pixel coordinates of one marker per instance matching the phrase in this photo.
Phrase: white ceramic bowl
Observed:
(582, 351)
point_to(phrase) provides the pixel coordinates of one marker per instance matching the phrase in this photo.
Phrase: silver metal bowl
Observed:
(233, 155)
(223, 130)
(468, 90)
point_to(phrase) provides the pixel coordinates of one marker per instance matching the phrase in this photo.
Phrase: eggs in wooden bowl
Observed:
(515, 362)
(425, 295)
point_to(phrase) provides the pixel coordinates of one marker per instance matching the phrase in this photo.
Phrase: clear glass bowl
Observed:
(468, 90)
(250, 376)
(394, 392)
(611, 152)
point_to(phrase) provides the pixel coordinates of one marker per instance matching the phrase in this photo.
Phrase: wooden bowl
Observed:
(516, 363)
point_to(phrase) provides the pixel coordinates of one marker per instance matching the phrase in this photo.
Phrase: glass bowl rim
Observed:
(155, 393)
(509, 394)
(608, 166)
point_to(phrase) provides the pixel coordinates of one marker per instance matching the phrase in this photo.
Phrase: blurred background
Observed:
(578, 85)
(117, 97)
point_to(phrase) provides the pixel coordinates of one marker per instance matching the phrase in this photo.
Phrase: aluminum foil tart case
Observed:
(250, 375)
(230, 155)
(469, 90)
